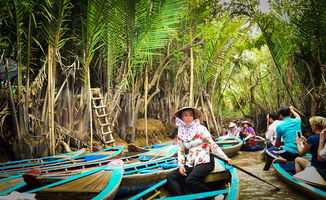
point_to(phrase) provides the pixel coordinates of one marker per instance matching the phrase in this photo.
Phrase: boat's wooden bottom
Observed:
(4, 185)
(82, 188)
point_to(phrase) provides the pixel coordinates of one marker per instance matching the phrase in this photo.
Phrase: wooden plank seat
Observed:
(227, 142)
(89, 184)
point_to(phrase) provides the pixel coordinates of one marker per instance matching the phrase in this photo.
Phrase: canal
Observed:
(252, 188)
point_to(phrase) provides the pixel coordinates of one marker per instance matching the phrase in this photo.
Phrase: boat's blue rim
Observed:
(290, 178)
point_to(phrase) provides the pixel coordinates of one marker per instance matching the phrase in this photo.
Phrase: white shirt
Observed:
(271, 131)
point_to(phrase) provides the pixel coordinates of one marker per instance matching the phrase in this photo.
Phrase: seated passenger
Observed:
(286, 131)
(322, 146)
(311, 146)
(233, 130)
(247, 132)
(271, 131)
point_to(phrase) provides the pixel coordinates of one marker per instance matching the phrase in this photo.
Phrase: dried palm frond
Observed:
(4, 112)
(38, 82)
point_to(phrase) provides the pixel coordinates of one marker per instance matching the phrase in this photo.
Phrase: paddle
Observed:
(245, 171)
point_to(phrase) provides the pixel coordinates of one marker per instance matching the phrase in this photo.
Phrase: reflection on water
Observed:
(252, 188)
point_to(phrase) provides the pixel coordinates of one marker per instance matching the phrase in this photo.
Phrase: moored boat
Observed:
(47, 159)
(135, 162)
(255, 144)
(286, 170)
(229, 145)
(102, 155)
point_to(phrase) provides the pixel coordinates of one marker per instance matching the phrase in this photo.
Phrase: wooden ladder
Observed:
(100, 111)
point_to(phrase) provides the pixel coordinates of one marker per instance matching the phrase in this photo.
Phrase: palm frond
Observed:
(93, 28)
(55, 26)
(158, 30)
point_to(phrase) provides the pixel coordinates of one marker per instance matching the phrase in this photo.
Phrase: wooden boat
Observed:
(62, 172)
(285, 172)
(229, 145)
(254, 144)
(99, 156)
(54, 158)
(99, 183)
(223, 181)
(135, 177)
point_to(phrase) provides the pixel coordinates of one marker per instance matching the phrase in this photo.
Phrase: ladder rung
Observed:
(107, 124)
(106, 133)
(102, 106)
(104, 115)
(110, 141)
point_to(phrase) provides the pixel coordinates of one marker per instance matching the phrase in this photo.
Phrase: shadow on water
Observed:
(252, 188)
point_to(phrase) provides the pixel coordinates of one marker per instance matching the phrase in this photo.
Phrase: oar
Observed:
(249, 173)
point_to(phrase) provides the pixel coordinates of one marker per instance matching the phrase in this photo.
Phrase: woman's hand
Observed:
(230, 162)
(301, 139)
(182, 170)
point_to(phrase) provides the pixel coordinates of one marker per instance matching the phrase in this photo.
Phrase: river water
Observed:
(252, 188)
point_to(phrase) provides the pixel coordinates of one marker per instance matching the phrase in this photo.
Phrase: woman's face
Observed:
(187, 116)
(313, 127)
(245, 125)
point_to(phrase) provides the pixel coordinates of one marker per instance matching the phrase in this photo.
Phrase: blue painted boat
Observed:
(43, 159)
(99, 156)
(254, 144)
(224, 183)
(134, 148)
(99, 183)
(229, 145)
(285, 172)
(64, 171)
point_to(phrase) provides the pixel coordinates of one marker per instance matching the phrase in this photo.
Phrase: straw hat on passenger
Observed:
(197, 113)
(246, 122)
(231, 125)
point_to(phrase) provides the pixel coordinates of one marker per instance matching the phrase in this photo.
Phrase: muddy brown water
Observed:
(252, 188)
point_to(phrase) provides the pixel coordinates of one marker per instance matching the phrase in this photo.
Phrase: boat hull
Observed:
(282, 172)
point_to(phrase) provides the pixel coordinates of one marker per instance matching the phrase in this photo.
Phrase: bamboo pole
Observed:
(205, 95)
(191, 99)
(90, 110)
(51, 101)
(146, 102)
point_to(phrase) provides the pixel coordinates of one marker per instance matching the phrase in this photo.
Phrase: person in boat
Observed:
(233, 130)
(311, 146)
(271, 131)
(322, 146)
(194, 147)
(286, 131)
(247, 131)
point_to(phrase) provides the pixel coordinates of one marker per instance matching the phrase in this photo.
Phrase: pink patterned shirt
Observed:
(195, 144)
